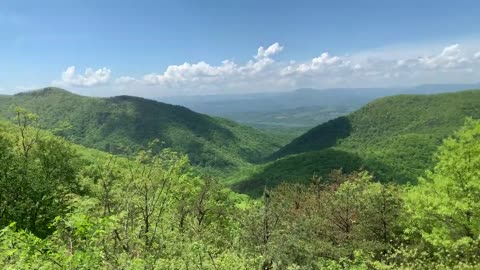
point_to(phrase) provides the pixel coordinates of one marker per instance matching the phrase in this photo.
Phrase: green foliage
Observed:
(321, 226)
(289, 123)
(148, 213)
(125, 125)
(393, 137)
(331, 132)
(67, 207)
(38, 175)
(294, 168)
(445, 206)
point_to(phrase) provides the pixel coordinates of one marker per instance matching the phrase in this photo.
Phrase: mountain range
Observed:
(125, 124)
(295, 112)
(393, 137)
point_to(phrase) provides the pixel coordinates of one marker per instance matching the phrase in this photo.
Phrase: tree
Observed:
(37, 175)
(444, 209)
(261, 229)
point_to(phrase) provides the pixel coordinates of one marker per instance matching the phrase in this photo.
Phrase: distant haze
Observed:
(304, 97)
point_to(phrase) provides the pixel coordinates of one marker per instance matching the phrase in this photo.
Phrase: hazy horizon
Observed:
(105, 49)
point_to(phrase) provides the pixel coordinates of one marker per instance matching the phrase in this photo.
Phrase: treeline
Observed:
(64, 208)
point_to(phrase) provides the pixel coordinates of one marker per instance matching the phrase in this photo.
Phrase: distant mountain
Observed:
(125, 124)
(293, 112)
(304, 97)
(271, 102)
(394, 137)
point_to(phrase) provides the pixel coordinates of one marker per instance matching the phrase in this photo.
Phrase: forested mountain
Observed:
(291, 113)
(125, 124)
(63, 206)
(239, 135)
(394, 137)
(304, 97)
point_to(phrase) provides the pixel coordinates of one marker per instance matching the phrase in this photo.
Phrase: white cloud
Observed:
(452, 63)
(450, 57)
(321, 64)
(203, 76)
(199, 72)
(448, 64)
(273, 49)
(88, 79)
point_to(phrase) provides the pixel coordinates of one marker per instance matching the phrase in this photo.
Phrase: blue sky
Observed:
(161, 48)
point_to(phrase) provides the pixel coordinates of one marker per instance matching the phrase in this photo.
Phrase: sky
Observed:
(171, 48)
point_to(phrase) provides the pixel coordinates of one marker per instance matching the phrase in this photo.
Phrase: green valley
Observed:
(239, 135)
(64, 206)
(124, 125)
(393, 137)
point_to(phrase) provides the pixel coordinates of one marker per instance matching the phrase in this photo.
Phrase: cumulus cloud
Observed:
(321, 64)
(202, 75)
(199, 72)
(273, 49)
(447, 64)
(450, 57)
(452, 63)
(88, 79)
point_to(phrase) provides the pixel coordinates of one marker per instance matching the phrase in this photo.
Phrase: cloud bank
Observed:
(452, 64)
(88, 79)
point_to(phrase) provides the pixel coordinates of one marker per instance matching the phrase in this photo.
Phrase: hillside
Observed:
(64, 206)
(268, 102)
(290, 114)
(394, 137)
(124, 124)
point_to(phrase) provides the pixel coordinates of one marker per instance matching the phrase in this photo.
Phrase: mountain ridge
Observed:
(125, 124)
(393, 137)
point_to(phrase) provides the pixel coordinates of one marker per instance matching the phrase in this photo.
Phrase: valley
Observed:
(124, 125)
(290, 114)
(393, 137)
(239, 135)
(150, 182)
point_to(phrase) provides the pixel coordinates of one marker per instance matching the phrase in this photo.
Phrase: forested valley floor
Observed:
(65, 206)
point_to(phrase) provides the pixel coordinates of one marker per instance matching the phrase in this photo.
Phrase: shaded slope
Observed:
(293, 113)
(436, 115)
(298, 168)
(125, 124)
(330, 132)
(394, 137)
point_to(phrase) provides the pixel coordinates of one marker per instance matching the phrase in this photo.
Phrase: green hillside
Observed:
(394, 137)
(124, 124)
(64, 206)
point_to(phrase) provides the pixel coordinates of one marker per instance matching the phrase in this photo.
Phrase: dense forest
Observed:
(392, 137)
(66, 206)
(125, 124)
(239, 135)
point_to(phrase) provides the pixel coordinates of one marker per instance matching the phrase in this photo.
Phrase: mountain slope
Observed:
(125, 124)
(435, 115)
(394, 137)
(236, 104)
(292, 113)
